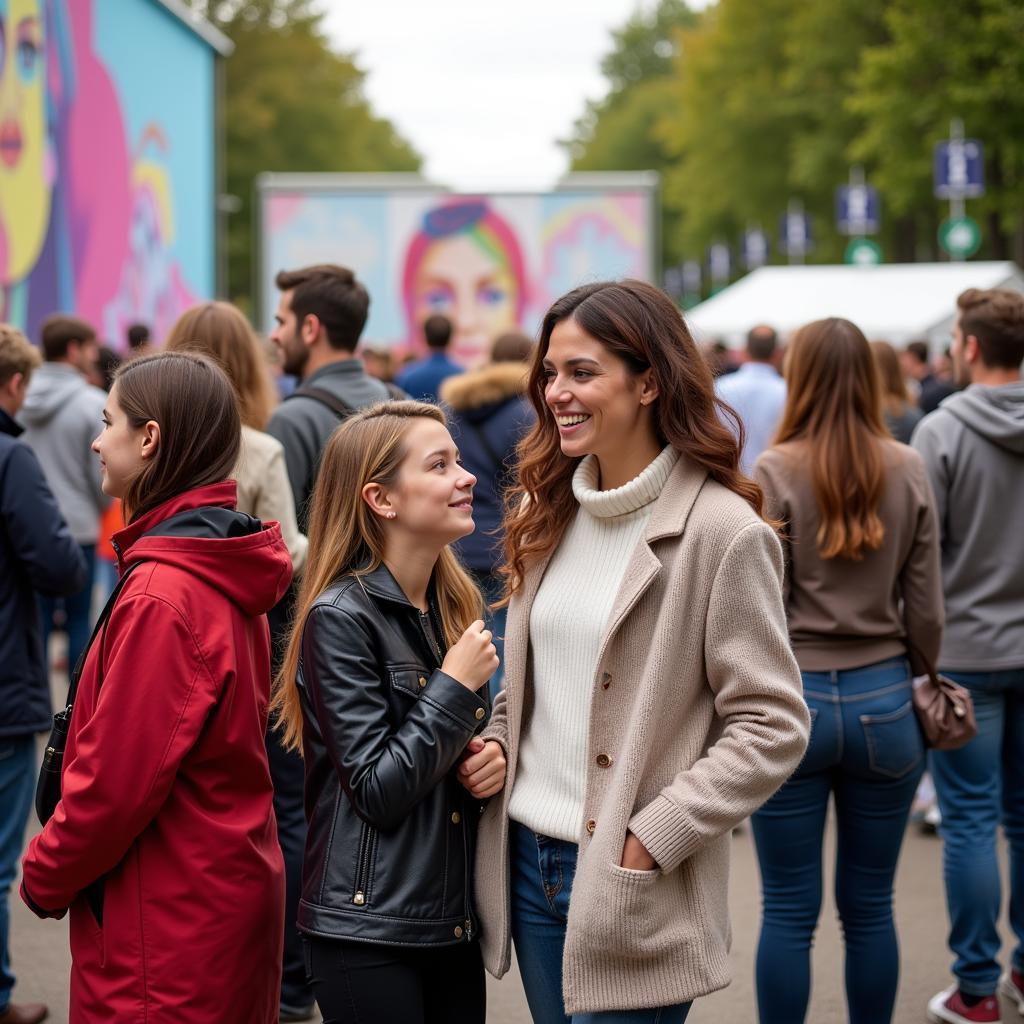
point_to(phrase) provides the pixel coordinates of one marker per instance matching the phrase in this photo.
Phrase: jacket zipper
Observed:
(364, 862)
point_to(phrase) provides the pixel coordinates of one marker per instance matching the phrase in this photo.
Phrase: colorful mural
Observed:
(489, 263)
(106, 139)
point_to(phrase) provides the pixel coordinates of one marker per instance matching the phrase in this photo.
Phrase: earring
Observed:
(391, 515)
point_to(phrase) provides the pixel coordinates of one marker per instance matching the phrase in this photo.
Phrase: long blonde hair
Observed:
(834, 403)
(221, 330)
(345, 536)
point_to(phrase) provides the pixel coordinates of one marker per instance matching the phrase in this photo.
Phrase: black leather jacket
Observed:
(391, 830)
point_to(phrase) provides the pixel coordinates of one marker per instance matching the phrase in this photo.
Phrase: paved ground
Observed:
(42, 962)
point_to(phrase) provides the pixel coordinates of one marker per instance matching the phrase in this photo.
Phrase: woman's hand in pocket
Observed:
(482, 771)
(635, 856)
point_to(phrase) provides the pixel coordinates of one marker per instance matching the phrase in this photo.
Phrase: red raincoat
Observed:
(166, 790)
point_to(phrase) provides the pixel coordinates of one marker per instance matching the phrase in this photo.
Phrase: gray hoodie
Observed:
(973, 448)
(61, 416)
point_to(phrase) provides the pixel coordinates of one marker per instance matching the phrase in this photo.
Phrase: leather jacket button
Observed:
(591, 825)
(603, 761)
(479, 714)
(458, 931)
(422, 681)
(456, 817)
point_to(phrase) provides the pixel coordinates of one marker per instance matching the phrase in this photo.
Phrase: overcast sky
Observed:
(482, 89)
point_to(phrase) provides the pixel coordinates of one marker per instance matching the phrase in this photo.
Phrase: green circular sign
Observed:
(960, 236)
(862, 252)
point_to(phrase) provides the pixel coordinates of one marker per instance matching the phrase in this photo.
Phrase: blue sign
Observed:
(796, 233)
(755, 248)
(959, 169)
(857, 209)
(719, 262)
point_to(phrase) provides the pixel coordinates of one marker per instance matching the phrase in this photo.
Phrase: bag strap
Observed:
(101, 623)
(929, 668)
(337, 405)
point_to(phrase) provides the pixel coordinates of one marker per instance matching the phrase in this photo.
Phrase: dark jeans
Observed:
(367, 983)
(980, 786)
(288, 776)
(542, 875)
(867, 752)
(17, 786)
(77, 609)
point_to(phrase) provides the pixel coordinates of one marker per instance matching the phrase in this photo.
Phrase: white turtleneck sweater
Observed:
(567, 624)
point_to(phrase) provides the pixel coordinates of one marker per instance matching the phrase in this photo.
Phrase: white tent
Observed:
(898, 302)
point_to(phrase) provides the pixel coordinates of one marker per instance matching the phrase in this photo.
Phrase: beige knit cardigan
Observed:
(696, 718)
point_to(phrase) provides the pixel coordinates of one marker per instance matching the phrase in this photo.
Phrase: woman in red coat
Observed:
(164, 844)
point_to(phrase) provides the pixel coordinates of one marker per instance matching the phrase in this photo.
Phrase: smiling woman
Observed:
(651, 699)
(381, 687)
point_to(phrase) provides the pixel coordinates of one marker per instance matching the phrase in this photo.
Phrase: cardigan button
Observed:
(603, 761)
(591, 825)
(606, 680)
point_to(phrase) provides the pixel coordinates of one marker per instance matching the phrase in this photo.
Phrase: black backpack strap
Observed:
(337, 405)
(100, 626)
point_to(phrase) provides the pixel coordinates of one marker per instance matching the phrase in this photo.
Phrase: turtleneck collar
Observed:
(620, 501)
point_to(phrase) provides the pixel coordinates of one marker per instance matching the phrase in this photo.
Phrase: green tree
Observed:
(942, 61)
(618, 133)
(291, 104)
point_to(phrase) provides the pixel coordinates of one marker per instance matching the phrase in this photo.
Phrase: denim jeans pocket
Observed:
(894, 744)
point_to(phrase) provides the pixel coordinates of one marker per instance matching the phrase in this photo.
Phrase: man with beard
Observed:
(320, 316)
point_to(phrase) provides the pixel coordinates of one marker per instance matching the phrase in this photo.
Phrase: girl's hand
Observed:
(473, 659)
(635, 856)
(482, 771)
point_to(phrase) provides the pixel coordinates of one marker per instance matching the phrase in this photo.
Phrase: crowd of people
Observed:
(395, 677)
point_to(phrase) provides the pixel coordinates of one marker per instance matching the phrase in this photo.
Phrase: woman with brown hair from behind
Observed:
(864, 602)
(220, 330)
(901, 415)
(651, 701)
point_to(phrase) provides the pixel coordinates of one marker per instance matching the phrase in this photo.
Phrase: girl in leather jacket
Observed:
(383, 688)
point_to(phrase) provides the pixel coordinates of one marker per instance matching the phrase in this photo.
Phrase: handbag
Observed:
(48, 785)
(944, 709)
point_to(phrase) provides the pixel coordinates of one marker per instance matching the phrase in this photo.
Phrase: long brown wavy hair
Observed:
(834, 403)
(640, 325)
(346, 536)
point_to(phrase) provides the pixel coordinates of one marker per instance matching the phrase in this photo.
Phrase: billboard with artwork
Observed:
(107, 170)
(490, 262)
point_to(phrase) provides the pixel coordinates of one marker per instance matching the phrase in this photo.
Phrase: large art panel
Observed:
(489, 262)
(106, 163)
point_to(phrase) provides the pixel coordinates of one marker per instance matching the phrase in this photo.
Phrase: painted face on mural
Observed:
(477, 292)
(25, 172)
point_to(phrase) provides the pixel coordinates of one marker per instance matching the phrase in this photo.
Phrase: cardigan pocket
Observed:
(637, 916)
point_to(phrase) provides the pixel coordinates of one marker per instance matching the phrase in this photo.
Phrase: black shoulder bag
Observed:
(48, 787)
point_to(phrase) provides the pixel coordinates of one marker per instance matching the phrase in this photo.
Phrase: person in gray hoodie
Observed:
(973, 448)
(61, 416)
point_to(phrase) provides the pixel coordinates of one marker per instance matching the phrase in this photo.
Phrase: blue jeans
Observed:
(17, 786)
(77, 610)
(867, 752)
(979, 786)
(542, 876)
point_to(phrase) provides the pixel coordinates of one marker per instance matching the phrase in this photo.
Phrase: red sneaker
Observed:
(1011, 985)
(949, 1008)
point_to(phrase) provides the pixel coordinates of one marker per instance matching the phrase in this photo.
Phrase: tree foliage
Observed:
(757, 102)
(291, 104)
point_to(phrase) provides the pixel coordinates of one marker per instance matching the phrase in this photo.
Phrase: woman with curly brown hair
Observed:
(651, 698)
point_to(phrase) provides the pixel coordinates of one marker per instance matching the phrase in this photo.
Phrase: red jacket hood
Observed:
(253, 570)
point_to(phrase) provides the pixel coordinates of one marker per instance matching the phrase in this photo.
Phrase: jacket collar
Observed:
(8, 426)
(382, 584)
(673, 506)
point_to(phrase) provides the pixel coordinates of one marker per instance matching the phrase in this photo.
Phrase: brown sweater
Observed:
(843, 613)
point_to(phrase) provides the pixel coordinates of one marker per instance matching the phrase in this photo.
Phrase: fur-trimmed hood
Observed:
(490, 385)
